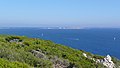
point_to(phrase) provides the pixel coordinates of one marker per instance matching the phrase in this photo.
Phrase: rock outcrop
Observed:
(107, 61)
(59, 63)
(38, 54)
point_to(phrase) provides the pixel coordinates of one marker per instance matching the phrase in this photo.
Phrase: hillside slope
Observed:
(23, 52)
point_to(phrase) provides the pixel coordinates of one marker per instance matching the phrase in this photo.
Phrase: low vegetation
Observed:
(23, 52)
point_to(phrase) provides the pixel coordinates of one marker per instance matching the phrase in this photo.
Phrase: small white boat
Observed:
(77, 39)
(114, 38)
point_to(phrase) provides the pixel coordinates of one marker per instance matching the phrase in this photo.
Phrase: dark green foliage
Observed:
(98, 57)
(12, 38)
(116, 61)
(26, 43)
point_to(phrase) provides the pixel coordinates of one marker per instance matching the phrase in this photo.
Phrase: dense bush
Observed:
(7, 64)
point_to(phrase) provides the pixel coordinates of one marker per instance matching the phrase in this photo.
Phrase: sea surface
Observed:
(97, 41)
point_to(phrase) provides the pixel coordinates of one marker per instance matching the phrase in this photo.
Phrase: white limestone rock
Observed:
(107, 61)
(85, 55)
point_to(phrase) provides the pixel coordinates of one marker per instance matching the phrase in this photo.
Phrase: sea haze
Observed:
(97, 41)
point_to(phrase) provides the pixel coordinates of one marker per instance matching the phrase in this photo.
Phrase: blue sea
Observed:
(97, 41)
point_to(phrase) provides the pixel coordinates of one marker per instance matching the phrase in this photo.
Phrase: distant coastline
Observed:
(43, 27)
(59, 27)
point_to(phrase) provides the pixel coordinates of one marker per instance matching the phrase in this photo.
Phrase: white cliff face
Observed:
(107, 61)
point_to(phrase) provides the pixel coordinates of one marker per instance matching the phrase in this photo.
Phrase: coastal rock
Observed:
(38, 54)
(107, 61)
(85, 55)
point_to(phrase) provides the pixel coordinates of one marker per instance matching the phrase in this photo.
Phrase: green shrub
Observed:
(7, 64)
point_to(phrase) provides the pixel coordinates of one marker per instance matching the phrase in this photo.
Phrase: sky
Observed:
(80, 13)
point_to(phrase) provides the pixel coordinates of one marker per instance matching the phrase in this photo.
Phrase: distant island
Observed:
(24, 52)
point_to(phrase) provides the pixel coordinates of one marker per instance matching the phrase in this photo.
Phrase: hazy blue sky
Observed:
(83, 13)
